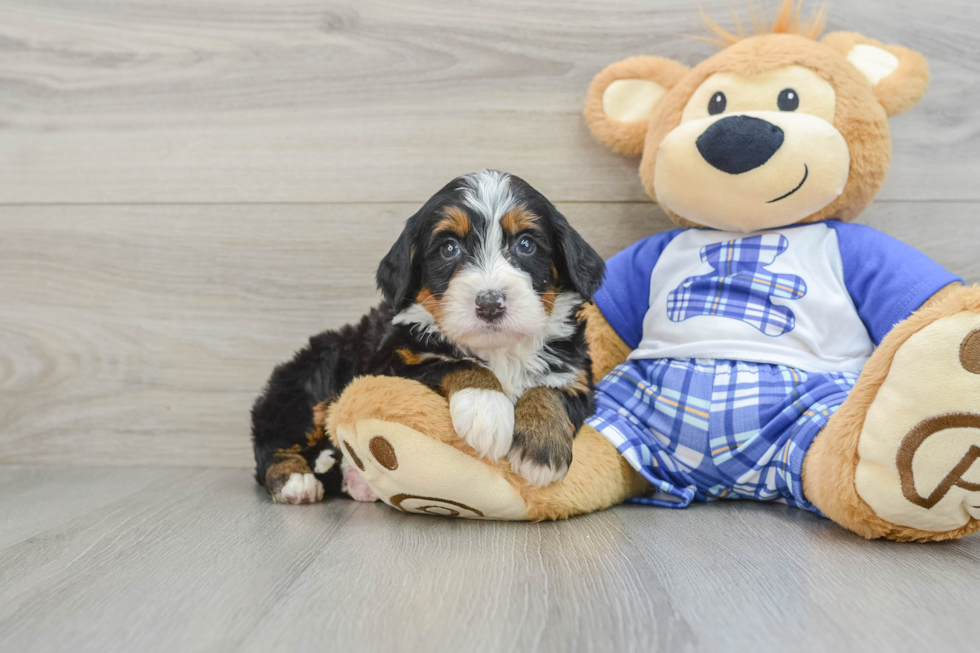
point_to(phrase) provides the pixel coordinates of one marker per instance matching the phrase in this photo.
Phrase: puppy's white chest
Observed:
(516, 373)
(512, 376)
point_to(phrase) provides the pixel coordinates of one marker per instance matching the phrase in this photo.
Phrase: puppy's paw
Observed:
(540, 461)
(325, 461)
(354, 484)
(299, 488)
(484, 419)
(542, 450)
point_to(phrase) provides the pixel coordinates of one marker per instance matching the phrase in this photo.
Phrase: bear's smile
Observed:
(806, 173)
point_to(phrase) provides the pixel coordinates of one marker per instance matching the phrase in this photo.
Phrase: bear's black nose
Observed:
(737, 144)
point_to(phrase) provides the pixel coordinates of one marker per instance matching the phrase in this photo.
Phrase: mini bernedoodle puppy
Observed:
(482, 293)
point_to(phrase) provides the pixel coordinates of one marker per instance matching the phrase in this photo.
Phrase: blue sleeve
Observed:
(887, 279)
(624, 297)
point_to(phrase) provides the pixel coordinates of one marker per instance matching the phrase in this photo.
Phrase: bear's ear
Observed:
(624, 96)
(898, 75)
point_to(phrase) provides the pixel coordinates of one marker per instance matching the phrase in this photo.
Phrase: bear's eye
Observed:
(717, 103)
(788, 100)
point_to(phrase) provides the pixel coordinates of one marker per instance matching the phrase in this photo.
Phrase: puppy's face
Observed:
(487, 262)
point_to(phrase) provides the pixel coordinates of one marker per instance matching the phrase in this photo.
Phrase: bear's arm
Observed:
(606, 348)
(887, 279)
(943, 292)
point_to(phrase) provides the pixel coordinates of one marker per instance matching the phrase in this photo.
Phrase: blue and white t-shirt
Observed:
(817, 297)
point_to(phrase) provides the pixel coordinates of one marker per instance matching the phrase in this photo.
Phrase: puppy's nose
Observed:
(490, 305)
(737, 144)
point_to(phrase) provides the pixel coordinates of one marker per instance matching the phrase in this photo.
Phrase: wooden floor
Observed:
(173, 559)
(190, 188)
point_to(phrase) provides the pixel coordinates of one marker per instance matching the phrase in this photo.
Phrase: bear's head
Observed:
(776, 129)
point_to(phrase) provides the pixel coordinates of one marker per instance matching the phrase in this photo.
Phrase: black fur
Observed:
(282, 416)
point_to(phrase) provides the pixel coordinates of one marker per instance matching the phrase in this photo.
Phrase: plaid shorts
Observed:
(716, 429)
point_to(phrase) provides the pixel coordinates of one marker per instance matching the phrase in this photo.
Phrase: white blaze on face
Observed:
(488, 195)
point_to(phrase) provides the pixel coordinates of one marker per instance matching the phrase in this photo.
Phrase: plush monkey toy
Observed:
(767, 349)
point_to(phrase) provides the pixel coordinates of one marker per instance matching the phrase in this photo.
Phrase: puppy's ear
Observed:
(580, 268)
(898, 75)
(623, 97)
(399, 269)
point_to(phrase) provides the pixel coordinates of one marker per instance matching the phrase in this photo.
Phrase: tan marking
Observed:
(353, 456)
(383, 452)
(408, 356)
(287, 453)
(579, 386)
(431, 303)
(314, 436)
(912, 442)
(455, 220)
(548, 299)
(277, 475)
(539, 410)
(519, 219)
(970, 352)
(320, 412)
(542, 427)
(477, 377)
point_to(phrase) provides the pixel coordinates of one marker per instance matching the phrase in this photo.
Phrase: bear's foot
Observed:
(920, 444)
(901, 458)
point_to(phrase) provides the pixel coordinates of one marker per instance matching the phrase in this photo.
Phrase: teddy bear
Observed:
(766, 349)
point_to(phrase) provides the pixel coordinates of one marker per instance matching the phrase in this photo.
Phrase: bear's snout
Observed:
(737, 144)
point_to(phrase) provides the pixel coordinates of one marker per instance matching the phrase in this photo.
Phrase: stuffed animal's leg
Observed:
(599, 477)
(901, 458)
(399, 435)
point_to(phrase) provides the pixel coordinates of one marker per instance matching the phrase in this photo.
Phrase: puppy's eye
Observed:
(717, 103)
(788, 100)
(526, 246)
(449, 250)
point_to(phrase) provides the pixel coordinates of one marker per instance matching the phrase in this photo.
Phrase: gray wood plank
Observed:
(141, 334)
(188, 564)
(200, 560)
(34, 499)
(369, 100)
(750, 576)
(423, 586)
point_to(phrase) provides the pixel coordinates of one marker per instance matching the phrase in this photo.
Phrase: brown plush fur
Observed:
(861, 111)
(605, 346)
(597, 478)
(394, 399)
(788, 20)
(627, 137)
(896, 93)
(858, 116)
(830, 463)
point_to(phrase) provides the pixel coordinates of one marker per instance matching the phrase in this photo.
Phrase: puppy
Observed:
(482, 292)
